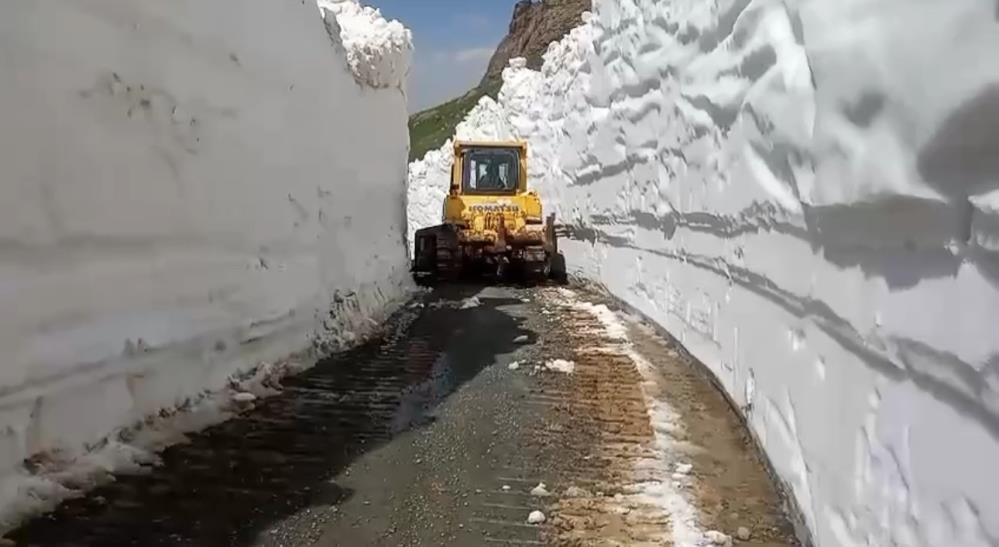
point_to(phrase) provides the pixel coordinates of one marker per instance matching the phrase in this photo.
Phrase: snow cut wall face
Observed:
(189, 189)
(805, 194)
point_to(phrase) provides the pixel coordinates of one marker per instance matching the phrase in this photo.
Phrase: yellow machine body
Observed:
(490, 217)
(493, 221)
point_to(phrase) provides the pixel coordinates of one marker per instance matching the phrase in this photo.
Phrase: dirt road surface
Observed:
(443, 431)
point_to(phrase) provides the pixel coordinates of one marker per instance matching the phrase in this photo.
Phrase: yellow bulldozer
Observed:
(492, 224)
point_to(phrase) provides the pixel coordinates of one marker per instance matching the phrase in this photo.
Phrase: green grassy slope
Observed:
(430, 128)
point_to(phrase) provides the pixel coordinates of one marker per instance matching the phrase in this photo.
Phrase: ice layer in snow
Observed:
(805, 194)
(187, 194)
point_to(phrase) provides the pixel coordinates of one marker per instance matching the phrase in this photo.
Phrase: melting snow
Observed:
(244, 397)
(717, 538)
(539, 490)
(472, 302)
(561, 365)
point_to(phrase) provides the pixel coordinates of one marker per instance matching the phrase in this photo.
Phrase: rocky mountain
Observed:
(533, 27)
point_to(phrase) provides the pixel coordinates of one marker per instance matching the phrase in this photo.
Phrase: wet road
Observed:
(427, 437)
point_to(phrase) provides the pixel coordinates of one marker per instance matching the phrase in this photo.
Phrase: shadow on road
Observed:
(234, 480)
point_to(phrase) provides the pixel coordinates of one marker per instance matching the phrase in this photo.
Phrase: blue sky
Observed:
(454, 40)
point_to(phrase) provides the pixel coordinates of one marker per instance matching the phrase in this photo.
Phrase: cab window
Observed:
(490, 171)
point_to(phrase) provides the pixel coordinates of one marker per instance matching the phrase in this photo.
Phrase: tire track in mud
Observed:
(667, 459)
(606, 432)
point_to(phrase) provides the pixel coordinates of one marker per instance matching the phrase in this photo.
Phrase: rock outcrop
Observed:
(533, 27)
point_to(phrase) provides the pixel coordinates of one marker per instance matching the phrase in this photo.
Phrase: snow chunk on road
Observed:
(514, 365)
(717, 538)
(244, 397)
(561, 365)
(471, 302)
(522, 339)
(536, 517)
(379, 52)
(540, 490)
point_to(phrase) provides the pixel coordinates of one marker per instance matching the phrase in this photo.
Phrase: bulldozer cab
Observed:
(489, 169)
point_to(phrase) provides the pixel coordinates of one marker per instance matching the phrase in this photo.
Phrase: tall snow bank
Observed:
(378, 51)
(804, 193)
(186, 193)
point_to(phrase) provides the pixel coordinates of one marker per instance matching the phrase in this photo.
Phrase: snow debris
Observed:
(379, 52)
(743, 533)
(471, 302)
(506, 487)
(536, 517)
(613, 327)
(243, 397)
(522, 339)
(561, 365)
(514, 365)
(265, 380)
(718, 538)
(540, 490)
(684, 468)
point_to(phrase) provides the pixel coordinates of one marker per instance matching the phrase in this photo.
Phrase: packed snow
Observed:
(561, 365)
(378, 51)
(540, 490)
(805, 194)
(176, 240)
(536, 517)
(714, 537)
(469, 303)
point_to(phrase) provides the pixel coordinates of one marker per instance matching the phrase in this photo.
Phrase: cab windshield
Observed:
(490, 171)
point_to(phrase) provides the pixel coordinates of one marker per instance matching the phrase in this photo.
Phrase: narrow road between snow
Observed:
(481, 416)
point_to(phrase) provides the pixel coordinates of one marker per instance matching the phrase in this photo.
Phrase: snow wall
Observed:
(190, 189)
(806, 194)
